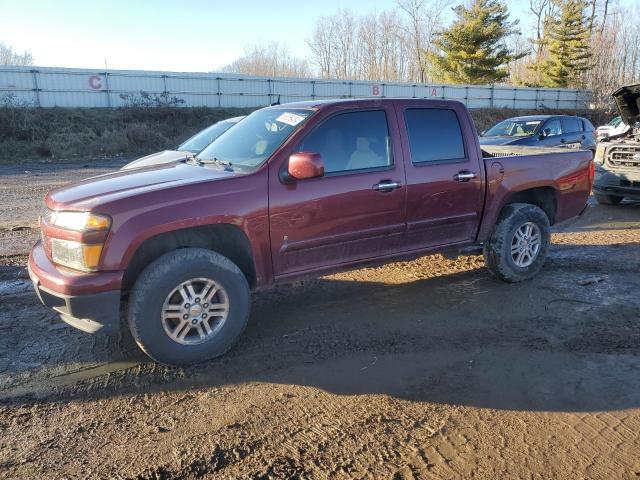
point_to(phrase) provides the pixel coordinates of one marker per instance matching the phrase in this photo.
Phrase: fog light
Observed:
(76, 255)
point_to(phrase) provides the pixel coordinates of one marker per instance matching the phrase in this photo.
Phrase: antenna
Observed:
(277, 102)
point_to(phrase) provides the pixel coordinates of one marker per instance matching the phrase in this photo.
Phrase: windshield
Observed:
(205, 137)
(513, 128)
(615, 122)
(254, 139)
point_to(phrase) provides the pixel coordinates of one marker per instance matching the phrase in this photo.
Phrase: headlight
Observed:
(599, 156)
(80, 221)
(76, 255)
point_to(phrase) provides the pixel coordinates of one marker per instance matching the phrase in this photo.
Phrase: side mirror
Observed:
(304, 165)
(545, 133)
(482, 133)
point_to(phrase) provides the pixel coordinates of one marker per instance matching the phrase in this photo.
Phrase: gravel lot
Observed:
(422, 369)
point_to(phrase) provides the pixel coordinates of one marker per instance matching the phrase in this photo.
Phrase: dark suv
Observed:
(542, 131)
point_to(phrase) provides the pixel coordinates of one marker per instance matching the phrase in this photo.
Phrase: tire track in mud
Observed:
(308, 434)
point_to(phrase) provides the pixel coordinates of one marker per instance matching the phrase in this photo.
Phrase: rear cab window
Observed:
(351, 142)
(434, 135)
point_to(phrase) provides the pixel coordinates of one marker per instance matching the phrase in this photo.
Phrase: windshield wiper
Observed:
(214, 160)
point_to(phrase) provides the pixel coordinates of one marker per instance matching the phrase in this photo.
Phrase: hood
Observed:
(500, 140)
(158, 158)
(628, 102)
(102, 189)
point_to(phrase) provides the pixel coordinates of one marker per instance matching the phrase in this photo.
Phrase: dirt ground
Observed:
(422, 369)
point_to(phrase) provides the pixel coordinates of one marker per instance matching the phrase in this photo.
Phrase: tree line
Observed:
(586, 44)
(592, 44)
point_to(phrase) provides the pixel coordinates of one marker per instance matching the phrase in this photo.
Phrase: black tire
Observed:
(497, 251)
(604, 199)
(160, 278)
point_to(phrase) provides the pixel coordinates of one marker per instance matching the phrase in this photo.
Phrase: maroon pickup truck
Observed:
(292, 191)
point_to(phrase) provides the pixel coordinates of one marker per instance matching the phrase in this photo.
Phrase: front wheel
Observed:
(519, 244)
(188, 305)
(604, 199)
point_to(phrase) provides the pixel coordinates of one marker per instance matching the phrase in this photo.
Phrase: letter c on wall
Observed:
(94, 82)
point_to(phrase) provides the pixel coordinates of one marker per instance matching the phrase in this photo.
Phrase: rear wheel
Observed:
(189, 305)
(519, 244)
(604, 199)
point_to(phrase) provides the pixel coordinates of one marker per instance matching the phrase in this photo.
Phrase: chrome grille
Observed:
(622, 156)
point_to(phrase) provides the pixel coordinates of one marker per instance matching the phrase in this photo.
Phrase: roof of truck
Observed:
(333, 101)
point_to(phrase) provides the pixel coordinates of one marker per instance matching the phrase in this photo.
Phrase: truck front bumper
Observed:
(617, 183)
(86, 301)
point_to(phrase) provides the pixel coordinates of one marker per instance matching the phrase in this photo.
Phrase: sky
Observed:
(186, 35)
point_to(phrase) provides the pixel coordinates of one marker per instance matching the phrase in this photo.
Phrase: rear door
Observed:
(356, 211)
(445, 176)
(572, 132)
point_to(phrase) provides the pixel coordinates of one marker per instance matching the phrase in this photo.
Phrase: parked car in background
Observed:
(188, 148)
(617, 158)
(614, 127)
(542, 131)
(294, 191)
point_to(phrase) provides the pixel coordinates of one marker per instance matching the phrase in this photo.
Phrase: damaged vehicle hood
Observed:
(628, 102)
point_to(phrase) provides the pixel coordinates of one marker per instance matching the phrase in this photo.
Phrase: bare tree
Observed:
(415, 11)
(322, 45)
(270, 60)
(350, 47)
(592, 16)
(541, 10)
(8, 56)
(604, 14)
(616, 55)
(424, 20)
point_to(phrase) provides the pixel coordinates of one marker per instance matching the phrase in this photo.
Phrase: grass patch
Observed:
(84, 134)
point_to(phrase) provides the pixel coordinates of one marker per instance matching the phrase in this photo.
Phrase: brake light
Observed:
(592, 173)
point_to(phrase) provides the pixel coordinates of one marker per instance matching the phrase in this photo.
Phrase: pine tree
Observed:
(569, 53)
(473, 49)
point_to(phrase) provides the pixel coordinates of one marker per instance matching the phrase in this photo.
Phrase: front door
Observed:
(554, 134)
(356, 211)
(445, 179)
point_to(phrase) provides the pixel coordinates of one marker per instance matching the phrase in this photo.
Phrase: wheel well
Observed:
(543, 197)
(227, 240)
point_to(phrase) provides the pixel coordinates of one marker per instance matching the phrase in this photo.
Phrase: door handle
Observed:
(464, 176)
(562, 140)
(386, 186)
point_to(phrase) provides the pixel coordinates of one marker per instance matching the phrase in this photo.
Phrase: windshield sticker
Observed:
(290, 119)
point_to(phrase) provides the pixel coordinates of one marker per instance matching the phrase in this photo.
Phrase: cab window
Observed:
(434, 135)
(571, 125)
(553, 127)
(351, 141)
